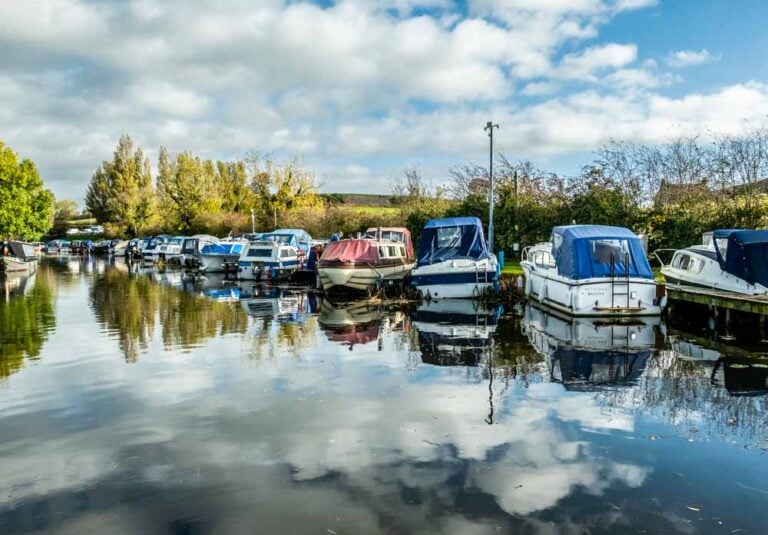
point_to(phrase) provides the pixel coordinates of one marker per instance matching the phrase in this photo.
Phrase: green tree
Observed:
(121, 190)
(65, 209)
(232, 180)
(26, 207)
(188, 189)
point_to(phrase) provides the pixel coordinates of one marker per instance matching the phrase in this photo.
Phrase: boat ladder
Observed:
(620, 284)
(481, 277)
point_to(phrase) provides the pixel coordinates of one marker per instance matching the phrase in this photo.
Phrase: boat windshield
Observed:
(282, 239)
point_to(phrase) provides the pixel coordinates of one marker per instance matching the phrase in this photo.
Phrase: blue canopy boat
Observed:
(592, 270)
(454, 260)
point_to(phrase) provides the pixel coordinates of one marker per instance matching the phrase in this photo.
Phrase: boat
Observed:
(149, 249)
(454, 261)
(592, 270)
(268, 260)
(17, 257)
(170, 251)
(382, 257)
(587, 353)
(289, 236)
(215, 257)
(727, 260)
(192, 247)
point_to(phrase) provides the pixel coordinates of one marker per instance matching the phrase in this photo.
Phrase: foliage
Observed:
(121, 191)
(26, 207)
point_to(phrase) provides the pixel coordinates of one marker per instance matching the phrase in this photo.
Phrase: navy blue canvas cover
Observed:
(452, 238)
(746, 255)
(587, 251)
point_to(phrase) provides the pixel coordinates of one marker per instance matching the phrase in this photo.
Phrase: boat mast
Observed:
(489, 127)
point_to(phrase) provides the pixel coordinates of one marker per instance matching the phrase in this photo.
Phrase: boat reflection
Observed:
(739, 372)
(454, 332)
(358, 322)
(585, 353)
(286, 306)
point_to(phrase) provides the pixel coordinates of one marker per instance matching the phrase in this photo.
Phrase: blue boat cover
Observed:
(586, 251)
(290, 236)
(452, 238)
(222, 248)
(746, 254)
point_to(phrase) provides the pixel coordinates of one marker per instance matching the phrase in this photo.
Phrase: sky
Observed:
(362, 89)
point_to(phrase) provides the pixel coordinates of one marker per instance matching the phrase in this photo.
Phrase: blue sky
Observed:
(362, 89)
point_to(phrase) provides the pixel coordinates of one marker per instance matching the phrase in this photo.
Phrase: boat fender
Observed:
(528, 285)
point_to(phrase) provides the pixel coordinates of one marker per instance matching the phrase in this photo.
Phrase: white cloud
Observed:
(688, 58)
(584, 65)
(535, 89)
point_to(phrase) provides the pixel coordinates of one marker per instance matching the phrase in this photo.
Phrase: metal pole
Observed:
(489, 127)
(253, 223)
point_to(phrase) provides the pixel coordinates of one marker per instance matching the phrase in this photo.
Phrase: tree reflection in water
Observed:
(27, 316)
(133, 306)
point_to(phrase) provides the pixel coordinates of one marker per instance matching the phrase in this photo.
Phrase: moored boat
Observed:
(215, 257)
(453, 260)
(383, 256)
(592, 270)
(17, 257)
(727, 260)
(268, 260)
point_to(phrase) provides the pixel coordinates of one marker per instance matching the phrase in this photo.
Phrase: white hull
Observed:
(10, 264)
(214, 263)
(360, 279)
(594, 297)
(704, 272)
(456, 279)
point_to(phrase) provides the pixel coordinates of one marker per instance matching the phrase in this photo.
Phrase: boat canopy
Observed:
(743, 253)
(363, 251)
(22, 250)
(289, 236)
(225, 248)
(450, 239)
(587, 251)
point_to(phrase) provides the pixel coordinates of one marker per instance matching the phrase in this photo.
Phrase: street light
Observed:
(489, 128)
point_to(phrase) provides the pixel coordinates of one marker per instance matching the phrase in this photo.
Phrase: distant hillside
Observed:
(357, 199)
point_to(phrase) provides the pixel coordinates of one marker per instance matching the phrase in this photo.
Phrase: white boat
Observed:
(215, 257)
(170, 250)
(17, 257)
(192, 247)
(454, 261)
(267, 260)
(150, 249)
(592, 270)
(384, 256)
(727, 260)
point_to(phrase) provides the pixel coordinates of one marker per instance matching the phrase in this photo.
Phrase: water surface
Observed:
(149, 402)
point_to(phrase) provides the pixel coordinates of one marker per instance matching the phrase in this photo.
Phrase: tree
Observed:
(65, 209)
(26, 207)
(187, 188)
(121, 190)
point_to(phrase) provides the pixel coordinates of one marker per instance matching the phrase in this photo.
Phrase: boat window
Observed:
(696, 265)
(683, 261)
(383, 252)
(557, 241)
(393, 251)
(259, 252)
(402, 251)
(286, 253)
(722, 246)
(449, 237)
(543, 259)
(607, 251)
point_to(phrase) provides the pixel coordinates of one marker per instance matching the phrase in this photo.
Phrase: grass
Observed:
(512, 267)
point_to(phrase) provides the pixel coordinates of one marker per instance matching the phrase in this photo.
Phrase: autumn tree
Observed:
(26, 207)
(187, 188)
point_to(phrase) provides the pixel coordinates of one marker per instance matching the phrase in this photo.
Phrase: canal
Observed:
(147, 402)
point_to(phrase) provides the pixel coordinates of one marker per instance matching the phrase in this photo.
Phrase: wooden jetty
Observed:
(751, 304)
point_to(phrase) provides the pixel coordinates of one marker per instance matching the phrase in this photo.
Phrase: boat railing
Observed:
(661, 261)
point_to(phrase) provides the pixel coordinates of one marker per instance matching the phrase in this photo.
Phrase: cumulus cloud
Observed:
(350, 83)
(689, 58)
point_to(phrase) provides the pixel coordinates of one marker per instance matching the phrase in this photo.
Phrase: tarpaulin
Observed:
(452, 238)
(586, 251)
(362, 251)
(743, 253)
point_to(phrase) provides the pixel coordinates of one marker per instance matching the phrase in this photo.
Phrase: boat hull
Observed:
(594, 297)
(361, 278)
(456, 279)
(9, 264)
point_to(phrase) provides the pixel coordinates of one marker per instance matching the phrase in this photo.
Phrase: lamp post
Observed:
(253, 222)
(489, 128)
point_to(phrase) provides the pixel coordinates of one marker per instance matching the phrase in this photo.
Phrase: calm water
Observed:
(149, 403)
